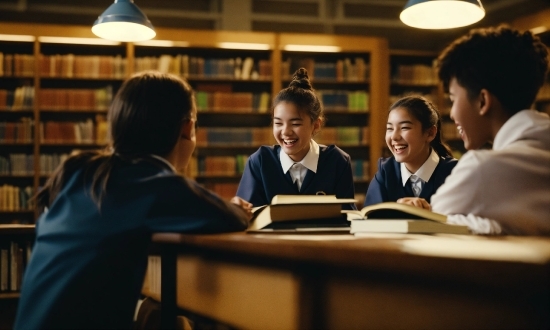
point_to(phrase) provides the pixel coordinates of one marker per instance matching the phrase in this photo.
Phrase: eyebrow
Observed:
(291, 119)
(401, 122)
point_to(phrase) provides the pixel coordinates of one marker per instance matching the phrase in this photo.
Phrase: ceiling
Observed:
(355, 17)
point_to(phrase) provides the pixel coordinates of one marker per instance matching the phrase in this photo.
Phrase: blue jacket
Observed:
(263, 176)
(88, 265)
(388, 187)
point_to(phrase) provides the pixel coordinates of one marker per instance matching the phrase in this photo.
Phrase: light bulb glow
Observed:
(123, 31)
(442, 14)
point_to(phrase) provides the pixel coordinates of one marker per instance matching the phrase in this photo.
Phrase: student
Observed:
(420, 161)
(297, 165)
(493, 76)
(89, 258)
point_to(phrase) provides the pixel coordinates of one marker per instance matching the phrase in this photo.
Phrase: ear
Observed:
(485, 102)
(432, 132)
(187, 129)
(316, 126)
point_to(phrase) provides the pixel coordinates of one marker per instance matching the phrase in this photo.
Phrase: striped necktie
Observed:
(416, 185)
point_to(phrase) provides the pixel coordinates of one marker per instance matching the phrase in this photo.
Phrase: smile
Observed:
(399, 148)
(289, 142)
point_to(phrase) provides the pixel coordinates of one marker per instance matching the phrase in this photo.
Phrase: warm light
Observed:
(162, 43)
(80, 41)
(123, 21)
(312, 48)
(243, 45)
(441, 14)
(16, 37)
(538, 29)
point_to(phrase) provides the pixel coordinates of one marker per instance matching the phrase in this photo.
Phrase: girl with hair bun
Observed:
(297, 164)
(421, 161)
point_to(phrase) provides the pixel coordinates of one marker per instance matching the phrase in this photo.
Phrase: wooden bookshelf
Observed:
(267, 53)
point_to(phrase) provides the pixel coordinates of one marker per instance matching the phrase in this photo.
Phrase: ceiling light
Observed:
(441, 14)
(123, 21)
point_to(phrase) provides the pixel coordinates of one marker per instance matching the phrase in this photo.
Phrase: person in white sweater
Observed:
(493, 76)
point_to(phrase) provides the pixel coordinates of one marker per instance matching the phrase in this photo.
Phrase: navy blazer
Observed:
(263, 176)
(387, 185)
(88, 264)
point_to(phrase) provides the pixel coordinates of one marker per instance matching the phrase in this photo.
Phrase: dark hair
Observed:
(301, 93)
(508, 63)
(145, 118)
(427, 114)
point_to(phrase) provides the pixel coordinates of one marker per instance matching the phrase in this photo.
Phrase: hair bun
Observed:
(300, 79)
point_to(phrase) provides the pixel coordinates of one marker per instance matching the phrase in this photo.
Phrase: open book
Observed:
(292, 211)
(392, 217)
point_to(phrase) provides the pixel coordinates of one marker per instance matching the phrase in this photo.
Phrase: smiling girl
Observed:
(420, 161)
(297, 165)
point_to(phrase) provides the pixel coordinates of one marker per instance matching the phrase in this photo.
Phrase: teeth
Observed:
(459, 128)
(289, 141)
(399, 147)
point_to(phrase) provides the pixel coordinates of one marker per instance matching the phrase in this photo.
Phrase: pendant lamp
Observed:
(441, 14)
(123, 21)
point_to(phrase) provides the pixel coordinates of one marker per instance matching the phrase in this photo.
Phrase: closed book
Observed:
(286, 211)
(405, 226)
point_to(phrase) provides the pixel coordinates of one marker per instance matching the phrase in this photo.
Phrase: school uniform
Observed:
(391, 181)
(88, 264)
(264, 175)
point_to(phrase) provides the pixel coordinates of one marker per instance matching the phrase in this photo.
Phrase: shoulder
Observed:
(447, 162)
(387, 164)
(264, 152)
(333, 151)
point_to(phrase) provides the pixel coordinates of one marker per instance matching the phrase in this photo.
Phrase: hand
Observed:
(415, 201)
(245, 206)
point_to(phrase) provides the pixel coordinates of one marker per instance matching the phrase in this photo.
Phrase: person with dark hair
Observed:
(421, 161)
(493, 76)
(90, 255)
(297, 165)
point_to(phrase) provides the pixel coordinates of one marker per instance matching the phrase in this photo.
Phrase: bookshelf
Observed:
(413, 72)
(235, 74)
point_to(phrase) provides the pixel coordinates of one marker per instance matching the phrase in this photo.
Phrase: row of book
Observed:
(14, 256)
(16, 65)
(85, 132)
(222, 165)
(23, 164)
(341, 70)
(76, 99)
(415, 74)
(449, 131)
(17, 132)
(200, 67)
(82, 66)
(21, 98)
(351, 101)
(14, 198)
(232, 102)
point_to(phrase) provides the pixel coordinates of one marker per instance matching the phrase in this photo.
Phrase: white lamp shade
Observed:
(441, 14)
(123, 21)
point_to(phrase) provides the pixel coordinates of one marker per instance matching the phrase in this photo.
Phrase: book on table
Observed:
(301, 213)
(392, 217)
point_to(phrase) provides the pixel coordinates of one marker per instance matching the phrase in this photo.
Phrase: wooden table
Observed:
(343, 282)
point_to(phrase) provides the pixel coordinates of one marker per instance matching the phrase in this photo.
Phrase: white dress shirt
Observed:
(424, 173)
(298, 172)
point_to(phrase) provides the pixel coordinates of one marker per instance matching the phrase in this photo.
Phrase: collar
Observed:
(164, 161)
(516, 128)
(424, 172)
(310, 161)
